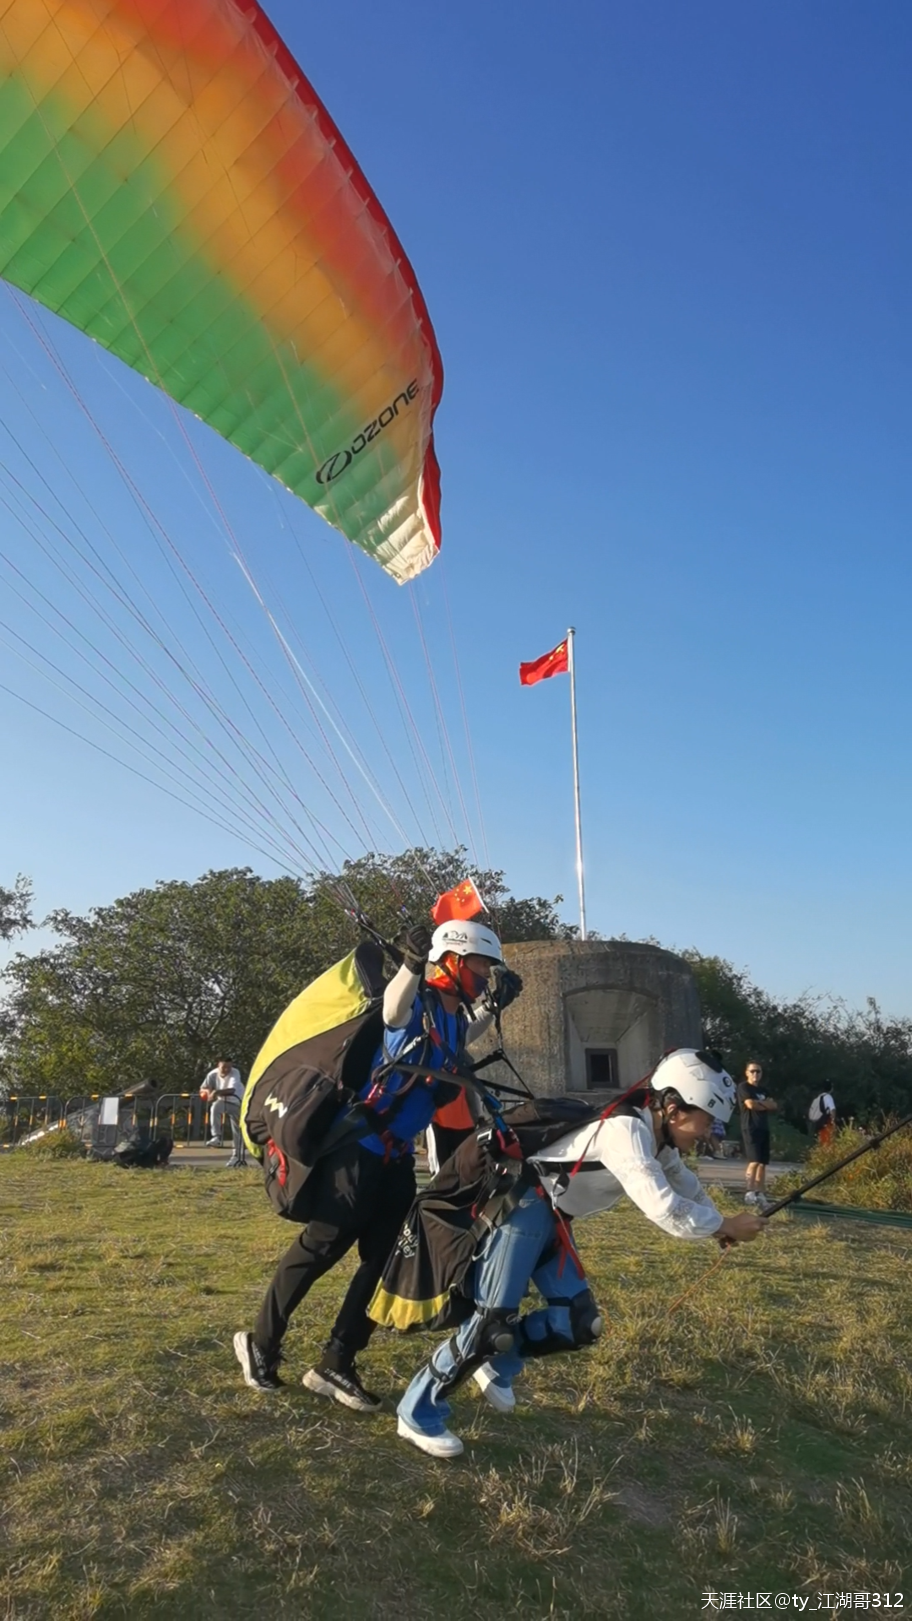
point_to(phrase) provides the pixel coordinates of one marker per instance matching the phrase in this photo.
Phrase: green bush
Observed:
(57, 1144)
(786, 1141)
(881, 1180)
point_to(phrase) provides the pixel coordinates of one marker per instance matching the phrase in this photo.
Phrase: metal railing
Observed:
(184, 1115)
(31, 1112)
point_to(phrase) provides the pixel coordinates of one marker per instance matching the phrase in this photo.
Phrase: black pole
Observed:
(873, 1142)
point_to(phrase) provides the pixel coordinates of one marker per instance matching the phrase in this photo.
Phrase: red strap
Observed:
(508, 1143)
(565, 1244)
(393, 1147)
(273, 1149)
(615, 1103)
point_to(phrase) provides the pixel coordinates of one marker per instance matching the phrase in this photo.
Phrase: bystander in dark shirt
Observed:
(754, 1122)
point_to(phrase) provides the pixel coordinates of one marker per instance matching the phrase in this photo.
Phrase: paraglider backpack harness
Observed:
(513, 1151)
(302, 1100)
(415, 1058)
(424, 1282)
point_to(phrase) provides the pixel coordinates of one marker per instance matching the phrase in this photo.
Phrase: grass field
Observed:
(758, 1438)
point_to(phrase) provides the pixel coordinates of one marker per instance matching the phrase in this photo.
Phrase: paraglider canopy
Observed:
(171, 184)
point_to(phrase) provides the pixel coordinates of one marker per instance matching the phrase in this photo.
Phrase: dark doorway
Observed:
(601, 1069)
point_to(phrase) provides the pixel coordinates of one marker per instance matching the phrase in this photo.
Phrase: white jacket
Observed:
(620, 1155)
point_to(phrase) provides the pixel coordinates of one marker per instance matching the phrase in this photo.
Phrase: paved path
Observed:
(724, 1173)
(197, 1157)
(729, 1173)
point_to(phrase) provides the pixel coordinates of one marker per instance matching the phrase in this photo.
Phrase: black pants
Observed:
(756, 1147)
(356, 1198)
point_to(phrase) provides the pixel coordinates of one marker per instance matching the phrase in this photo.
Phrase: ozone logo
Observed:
(340, 460)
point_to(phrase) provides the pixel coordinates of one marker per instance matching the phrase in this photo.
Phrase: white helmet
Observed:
(466, 939)
(699, 1079)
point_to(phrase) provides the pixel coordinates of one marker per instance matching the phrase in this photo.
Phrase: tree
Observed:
(153, 987)
(394, 891)
(806, 1045)
(156, 986)
(15, 908)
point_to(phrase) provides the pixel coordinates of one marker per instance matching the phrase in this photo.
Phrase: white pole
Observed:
(571, 668)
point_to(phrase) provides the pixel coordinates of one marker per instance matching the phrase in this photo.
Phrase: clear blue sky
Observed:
(666, 250)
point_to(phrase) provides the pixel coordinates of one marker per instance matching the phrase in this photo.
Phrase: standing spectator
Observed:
(755, 1106)
(822, 1117)
(223, 1091)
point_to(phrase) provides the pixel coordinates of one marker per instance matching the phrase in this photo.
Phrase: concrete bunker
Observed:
(595, 1016)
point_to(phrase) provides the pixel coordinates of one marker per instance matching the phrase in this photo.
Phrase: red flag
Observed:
(553, 663)
(461, 902)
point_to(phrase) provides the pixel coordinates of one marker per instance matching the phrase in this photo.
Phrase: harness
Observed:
(420, 1046)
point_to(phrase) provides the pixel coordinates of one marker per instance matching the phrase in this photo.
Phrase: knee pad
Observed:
(585, 1327)
(549, 1344)
(492, 1333)
(585, 1319)
(499, 1332)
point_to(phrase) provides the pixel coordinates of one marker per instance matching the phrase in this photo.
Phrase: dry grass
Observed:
(880, 1180)
(757, 1438)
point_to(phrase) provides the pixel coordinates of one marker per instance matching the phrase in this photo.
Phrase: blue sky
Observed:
(666, 251)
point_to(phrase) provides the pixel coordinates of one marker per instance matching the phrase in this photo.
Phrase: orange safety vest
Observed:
(455, 1116)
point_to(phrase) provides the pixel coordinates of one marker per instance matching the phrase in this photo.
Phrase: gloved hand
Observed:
(414, 943)
(507, 987)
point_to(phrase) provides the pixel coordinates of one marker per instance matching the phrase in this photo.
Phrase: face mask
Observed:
(451, 974)
(470, 983)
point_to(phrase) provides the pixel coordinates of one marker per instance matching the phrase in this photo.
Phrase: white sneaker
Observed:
(446, 1445)
(499, 1396)
(751, 1198)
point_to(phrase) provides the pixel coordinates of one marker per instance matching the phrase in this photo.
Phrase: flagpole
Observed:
(571, 668)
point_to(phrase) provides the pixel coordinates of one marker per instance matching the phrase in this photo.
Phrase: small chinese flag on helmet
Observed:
(553, 663)
(463, 901)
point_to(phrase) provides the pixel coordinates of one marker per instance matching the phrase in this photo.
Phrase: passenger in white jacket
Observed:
(636, 1151)
(589, 1170)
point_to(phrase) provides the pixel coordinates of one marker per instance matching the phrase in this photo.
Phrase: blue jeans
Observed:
(521, 1250)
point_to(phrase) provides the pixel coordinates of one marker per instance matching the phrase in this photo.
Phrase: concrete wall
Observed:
(637, 999)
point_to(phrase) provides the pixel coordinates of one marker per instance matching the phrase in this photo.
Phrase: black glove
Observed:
(507, 988)
(414, 944)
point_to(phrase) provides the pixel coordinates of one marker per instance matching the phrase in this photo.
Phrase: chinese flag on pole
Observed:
(553, 663)
(462, 902)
